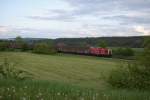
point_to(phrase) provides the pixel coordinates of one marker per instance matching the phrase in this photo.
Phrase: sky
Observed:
(74, 18)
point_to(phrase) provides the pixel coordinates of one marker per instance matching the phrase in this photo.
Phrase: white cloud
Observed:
(4, 29)
(142, 30)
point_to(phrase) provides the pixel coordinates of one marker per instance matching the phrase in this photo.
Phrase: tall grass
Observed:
(43, 90)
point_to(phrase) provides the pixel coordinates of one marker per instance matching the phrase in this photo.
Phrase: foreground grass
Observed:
(43, 90)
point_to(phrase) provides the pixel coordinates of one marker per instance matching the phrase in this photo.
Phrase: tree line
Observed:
(124, 44)
(19, 44)
(133, 42)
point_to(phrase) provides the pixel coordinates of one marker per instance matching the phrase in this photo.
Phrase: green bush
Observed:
(44, 48)
(123, 52)
(130, 76)
(3, 46)
(135, 74)
(119, 77)
(25, 47)
(7, 71)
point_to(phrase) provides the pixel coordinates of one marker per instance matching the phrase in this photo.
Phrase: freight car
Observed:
(94, 51)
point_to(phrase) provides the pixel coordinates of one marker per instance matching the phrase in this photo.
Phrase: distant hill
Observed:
(134, 41)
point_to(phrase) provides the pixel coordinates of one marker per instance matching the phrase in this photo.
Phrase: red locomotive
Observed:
(95, 51)
(100, 51)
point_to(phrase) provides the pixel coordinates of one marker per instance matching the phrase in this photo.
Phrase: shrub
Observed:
(123, 52)
(119, 77)
(44, 48)
(7, 71)
(3, 46)
(25, 47)
(135, 74)
(130, 76)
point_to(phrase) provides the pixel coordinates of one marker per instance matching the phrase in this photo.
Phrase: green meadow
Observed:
(79, 70)
(64, 77)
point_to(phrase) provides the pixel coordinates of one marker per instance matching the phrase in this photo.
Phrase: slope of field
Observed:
(80, 70)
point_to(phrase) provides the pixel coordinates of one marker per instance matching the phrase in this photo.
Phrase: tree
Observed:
(18, 42)
(21, 44)
(19, 39)
(145, 57)
(44, 48)
(103, 44)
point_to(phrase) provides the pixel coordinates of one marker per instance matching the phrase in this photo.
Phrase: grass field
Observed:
(80, 70)
(64, 77)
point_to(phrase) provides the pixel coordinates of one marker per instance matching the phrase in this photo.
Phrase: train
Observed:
(93, 51)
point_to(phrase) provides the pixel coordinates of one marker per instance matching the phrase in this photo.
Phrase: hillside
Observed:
(134, 41)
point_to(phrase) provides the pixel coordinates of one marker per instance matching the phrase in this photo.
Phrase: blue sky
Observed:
(74, 18)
